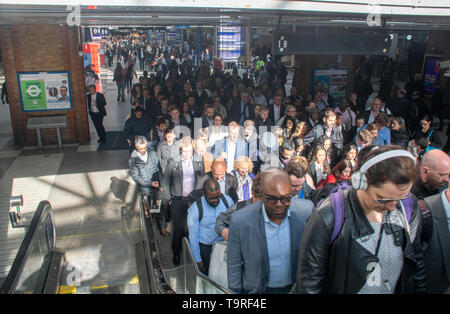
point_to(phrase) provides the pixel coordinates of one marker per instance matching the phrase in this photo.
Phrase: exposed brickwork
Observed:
(44, 48)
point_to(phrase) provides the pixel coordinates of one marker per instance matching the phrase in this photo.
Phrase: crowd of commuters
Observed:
(312, 194)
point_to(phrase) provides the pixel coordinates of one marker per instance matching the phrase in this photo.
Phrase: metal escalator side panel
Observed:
(158, 283)
(42, 222)
(196, 282)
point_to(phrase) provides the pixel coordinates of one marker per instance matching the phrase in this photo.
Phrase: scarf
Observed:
(244, 186)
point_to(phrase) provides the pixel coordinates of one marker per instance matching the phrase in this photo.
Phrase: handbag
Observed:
(218, 263)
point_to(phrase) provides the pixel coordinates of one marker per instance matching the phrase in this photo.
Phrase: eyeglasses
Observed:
(273, 199)
(388, 200)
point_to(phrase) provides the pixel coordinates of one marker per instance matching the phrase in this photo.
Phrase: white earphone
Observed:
(359, 179)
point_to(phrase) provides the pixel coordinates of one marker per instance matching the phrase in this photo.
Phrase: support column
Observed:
(294, 29)
(248, 46)
(199, 46)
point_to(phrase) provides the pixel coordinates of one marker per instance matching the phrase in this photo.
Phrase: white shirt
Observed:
(231, 151)
(143, 157)
(276, 113)
(222, 185)
(94, 107)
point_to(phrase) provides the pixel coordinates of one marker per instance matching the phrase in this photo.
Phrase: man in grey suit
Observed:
(437, 251)
(264, 239)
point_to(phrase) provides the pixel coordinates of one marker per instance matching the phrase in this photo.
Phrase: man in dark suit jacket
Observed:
(279, 107)
(228, 183)
(179, 180)
(252, 244)
(242, 110)
(96, 107)
(437, 252)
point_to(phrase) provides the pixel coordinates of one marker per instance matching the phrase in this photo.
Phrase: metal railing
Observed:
(194, 282)
(36, 268)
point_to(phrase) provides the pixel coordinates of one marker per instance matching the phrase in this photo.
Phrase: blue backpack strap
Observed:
(338, 205)
(408, 205)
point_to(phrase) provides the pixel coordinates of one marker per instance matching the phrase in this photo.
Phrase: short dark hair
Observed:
(295, 169)
(211, 185)
(160, 121)
(257, 186)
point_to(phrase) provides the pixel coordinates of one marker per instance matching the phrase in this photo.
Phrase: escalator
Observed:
(39, 267)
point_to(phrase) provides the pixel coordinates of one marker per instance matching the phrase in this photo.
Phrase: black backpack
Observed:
(200, 206)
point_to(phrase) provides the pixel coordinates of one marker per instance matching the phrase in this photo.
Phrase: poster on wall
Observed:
(336, 79)
(42, 91)
(430, 73)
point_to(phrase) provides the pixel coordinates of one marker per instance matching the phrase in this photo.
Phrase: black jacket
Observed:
(400, 138)
(231, 185)
(420, 190)
(341, 267)
(437, 251)
(101, 103)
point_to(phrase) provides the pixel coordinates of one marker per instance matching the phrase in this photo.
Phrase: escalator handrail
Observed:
(155, 258)
(11, 281)
(197, 270)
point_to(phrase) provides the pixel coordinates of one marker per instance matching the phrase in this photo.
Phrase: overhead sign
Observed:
(229, 43)
(98, 32)
(174, 36)
(41, 91)
(307, 43)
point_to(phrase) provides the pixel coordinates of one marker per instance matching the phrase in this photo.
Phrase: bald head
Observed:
(218, 168)
(435, 157)
(275, 176)
(435, 169)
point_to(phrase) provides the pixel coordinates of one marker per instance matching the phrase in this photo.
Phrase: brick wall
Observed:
(44, 48)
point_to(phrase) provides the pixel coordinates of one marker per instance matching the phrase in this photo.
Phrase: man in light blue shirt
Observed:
(202, 234)
(279, 249)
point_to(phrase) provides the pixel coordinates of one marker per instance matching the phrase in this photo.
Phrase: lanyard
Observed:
(380, 236)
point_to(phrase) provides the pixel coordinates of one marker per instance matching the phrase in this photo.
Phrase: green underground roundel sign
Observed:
(41, 91)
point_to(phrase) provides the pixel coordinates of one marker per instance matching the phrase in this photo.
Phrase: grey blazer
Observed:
(248, 267)
(172, 182)
(167, 152)
(437, 252)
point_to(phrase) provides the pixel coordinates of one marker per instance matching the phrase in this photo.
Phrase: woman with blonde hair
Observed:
(243, 168)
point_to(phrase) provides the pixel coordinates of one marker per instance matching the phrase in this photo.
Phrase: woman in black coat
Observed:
(399, 136)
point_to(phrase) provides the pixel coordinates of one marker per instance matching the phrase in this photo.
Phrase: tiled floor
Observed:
(88, 191)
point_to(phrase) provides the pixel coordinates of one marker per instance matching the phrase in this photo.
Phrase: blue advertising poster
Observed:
(431, 73)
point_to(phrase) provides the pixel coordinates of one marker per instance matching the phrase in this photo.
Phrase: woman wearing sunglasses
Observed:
(366, 239)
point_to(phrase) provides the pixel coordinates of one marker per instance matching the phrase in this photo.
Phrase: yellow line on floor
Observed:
(96, 234)
(67, 289)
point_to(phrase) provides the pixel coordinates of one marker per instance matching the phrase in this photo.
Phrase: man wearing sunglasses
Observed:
(264, 238)
(366, 239)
